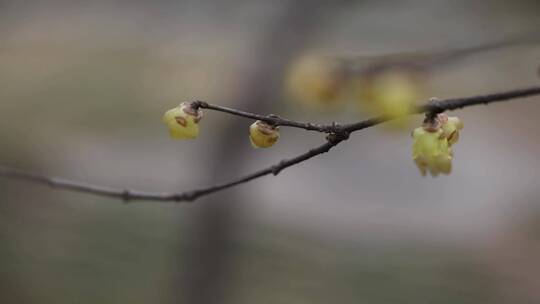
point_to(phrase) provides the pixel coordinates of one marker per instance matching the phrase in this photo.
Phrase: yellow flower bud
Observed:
(263, 135)
(317, 81)
(431, 151)
(450, 127)
(183, 121)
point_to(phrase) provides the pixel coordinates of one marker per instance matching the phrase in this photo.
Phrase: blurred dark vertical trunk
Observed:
(204, 272)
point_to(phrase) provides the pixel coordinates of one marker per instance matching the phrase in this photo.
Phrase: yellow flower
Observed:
(263, 135)
(317, 81)
(392, 93)
(431, 151)
(183, 121)
(432, 147)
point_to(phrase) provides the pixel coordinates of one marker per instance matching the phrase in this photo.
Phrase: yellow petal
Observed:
(421, 165)
(456, 122)
(170, 114)
(451, 129)
(190, 131)
(444, 163)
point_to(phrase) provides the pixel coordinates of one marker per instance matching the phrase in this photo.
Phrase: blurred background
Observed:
(83, 85)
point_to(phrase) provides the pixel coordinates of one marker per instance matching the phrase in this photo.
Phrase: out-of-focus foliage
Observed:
(318, 82)
(328, 83)
(390, 93)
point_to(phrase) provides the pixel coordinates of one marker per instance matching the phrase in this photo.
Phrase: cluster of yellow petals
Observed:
(432, 146)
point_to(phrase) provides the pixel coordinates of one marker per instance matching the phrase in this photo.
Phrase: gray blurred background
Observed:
(83, 86)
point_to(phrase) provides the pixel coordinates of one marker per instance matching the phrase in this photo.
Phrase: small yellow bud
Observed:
(263, 135)
(183, 121)
(317, 81)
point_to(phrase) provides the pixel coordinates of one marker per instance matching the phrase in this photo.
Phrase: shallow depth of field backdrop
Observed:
(82, 90)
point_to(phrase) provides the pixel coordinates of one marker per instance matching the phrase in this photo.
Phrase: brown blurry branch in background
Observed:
(429, 60)
(337, 133)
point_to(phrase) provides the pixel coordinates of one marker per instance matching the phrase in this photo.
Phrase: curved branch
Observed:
(338, 134)
(131, 195)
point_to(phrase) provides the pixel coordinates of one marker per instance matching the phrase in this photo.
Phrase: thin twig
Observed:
(440, 105)
(339, 134)
(271, 118)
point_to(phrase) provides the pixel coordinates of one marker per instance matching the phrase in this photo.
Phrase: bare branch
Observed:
(451, 104)
(338, 134)
(271, 118)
